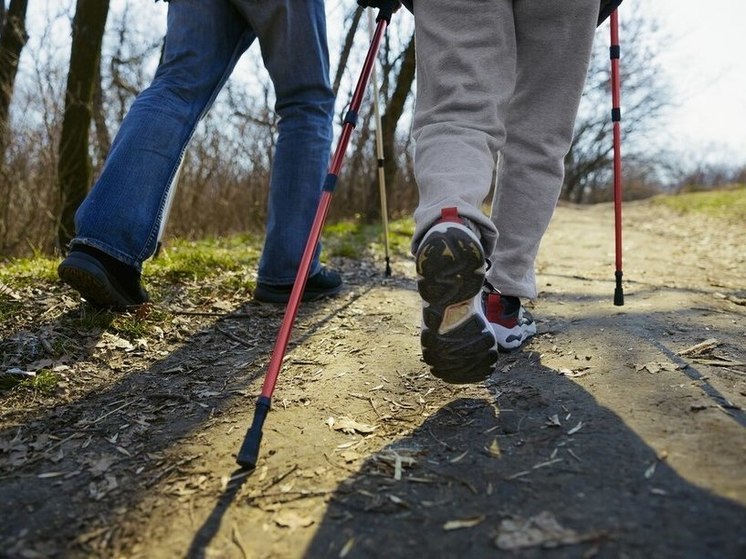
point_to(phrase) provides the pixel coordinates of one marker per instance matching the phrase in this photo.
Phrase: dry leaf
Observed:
(575, 429)
(540, 530)
(47, 475)
(347, 548)
(463, 523)
(291, 519)
(8, 292)
(494, 449)
(397, 500)
(576, 373)
(654, 367)
(223, 305)
(350, 456)
(350, 426)
(553, 421)
(102, 465)
(111, 341)
(459, 457)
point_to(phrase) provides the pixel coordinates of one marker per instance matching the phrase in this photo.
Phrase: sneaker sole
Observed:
(457, 341)
(86, 276)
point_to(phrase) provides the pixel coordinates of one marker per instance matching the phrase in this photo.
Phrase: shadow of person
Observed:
(116, 443)
(67, 338)
(537, 469)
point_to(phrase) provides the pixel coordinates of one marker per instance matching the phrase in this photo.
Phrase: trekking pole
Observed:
(616, 118)
(249, 452)
(380, 157)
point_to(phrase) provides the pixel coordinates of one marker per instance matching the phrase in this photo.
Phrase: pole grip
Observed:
(249, 452)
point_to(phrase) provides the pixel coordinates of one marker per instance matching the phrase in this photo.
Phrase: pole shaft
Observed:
(380, 157)
(283, 337)
(616, 116)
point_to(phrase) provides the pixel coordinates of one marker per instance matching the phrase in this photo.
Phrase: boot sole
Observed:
(87, 276)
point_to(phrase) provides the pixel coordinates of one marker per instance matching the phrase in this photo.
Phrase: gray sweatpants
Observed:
(498, 76)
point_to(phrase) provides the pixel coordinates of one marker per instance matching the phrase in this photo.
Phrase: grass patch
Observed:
(197, 260)
(44, 382)
(727, 203)
(25, 272)
(133, 326)
(354, 239)
(229, 263)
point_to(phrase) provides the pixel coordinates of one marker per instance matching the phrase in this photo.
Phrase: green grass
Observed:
(202, 271)
(24, 272)
(355, 239)
(229, 263)
(197, 260)
(726, 203)
(44, 382)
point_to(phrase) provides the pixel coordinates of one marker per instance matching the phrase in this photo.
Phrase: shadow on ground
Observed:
(87, 461)
(539, 470)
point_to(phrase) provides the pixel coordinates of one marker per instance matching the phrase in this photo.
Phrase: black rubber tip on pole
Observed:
(618, 291)
(388, 267)
(249, 452)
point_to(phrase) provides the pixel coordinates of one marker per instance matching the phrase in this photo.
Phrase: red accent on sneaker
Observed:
(495, 312)
(450, 214)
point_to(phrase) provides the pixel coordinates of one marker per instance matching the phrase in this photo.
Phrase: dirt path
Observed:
(615, 433)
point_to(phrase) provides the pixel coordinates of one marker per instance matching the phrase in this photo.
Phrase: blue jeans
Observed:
(123, 213)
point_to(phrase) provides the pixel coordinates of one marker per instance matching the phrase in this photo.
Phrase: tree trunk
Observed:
(394, 111)
(12, 41)
(103, 137)
(74, 167)
(347, 48)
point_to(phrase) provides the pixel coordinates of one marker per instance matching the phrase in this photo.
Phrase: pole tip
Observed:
(618, 291)
(248, 455)
(249, 451)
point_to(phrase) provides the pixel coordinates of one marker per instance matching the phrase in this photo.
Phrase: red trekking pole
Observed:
(616, 117)
(249, 452)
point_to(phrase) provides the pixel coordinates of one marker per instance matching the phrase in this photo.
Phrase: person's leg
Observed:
(465, 76)
(122, 214)
(292, 36)
(554, 42)
(466, 68)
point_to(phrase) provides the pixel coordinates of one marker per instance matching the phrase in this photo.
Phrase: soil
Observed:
(618, 431)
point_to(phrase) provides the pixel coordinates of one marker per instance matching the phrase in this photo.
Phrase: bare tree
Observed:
(588, 166)
(354, 19)
(74, 166)
(394, 111)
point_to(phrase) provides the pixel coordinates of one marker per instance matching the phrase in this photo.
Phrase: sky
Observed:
(705, 63)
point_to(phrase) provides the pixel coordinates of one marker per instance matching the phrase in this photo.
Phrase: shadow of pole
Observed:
(204, 536)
